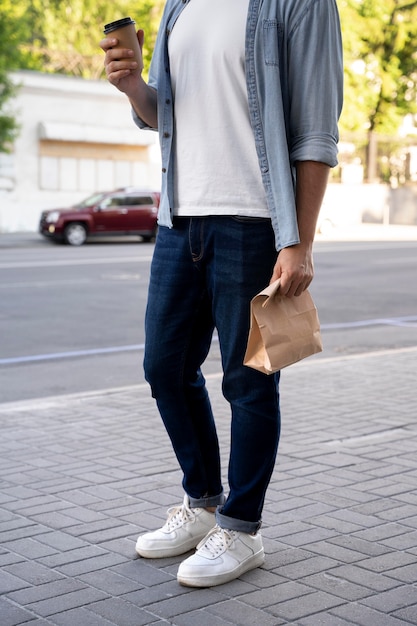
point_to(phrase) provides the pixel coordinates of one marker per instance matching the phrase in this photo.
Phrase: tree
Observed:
(11, 33)
(65, 34)
(380, 42)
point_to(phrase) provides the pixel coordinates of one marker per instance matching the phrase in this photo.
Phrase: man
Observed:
(246, 96)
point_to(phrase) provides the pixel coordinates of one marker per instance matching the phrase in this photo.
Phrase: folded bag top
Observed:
(282, 330)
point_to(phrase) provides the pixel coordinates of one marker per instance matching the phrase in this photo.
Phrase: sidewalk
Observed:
(81, 476)
(370, 232)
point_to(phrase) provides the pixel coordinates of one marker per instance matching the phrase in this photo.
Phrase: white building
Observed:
(76, 137)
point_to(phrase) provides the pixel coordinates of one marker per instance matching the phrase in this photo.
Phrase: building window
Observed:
(77, 166)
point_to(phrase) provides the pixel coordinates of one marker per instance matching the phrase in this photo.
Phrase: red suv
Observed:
(125, 211)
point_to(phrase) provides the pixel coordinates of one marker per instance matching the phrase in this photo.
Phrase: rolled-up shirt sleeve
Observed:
(315, 73)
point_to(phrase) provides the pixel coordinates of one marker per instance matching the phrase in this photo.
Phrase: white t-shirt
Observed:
(216, 165)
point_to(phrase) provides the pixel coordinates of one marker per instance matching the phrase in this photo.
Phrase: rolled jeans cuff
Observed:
(231, 523)
(207, 501)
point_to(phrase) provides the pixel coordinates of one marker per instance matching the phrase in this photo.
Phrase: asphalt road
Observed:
(71, 319)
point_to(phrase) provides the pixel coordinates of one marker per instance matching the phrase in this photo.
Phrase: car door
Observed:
(112, 215)
(141, 212)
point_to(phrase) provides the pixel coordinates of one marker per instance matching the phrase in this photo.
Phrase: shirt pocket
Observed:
(273, 35)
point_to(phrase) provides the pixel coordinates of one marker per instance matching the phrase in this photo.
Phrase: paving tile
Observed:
(361, 615)
(12, 615)
(157, 593)
(8, 558)
(324, 619)
(264, 598)
(325, 581)
(122, 613)
(9, 583)
(29, 548)
(91, 565)
(306, 567)
(367, 579)
(80, 616)
(392, 600)
(66, 602)
(28, 531)
(361, 546)
(408, 614)
(45, 591)
(61, 541)
(198, 599)
(206, 618)
(340, 553)
(71, 556)
(402, 542)
(305, 605)
(95, 527)
(55, 519)
(238, 613)
(110, 582)
(387, 562)
(406, 573)
(118, 531)
(32, 572)
(142, 572)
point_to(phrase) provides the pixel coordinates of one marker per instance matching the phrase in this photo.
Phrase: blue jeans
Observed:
(203, 275)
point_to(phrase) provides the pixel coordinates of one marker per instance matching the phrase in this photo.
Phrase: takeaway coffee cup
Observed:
(125, 32)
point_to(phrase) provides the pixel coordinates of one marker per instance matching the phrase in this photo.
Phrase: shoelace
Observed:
(217, 541)
(178, 515)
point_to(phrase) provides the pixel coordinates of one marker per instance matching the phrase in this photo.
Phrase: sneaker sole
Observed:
(163, 553)
(256, 560)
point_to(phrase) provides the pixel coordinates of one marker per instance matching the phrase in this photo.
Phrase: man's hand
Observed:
(121, 68)
(295, 269)
(294, 266)
(126, 74)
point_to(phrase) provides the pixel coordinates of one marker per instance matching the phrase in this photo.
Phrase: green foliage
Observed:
(380, 45)
(62, 36)
(10, 58)
(65, 34)
(8, 124)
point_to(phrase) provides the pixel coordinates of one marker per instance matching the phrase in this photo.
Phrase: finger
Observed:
(119, 54)
(107, 43)
(141, 37)
(285, 286)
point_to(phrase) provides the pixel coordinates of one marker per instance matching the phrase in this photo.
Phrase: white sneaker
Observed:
(183, 530)
(223, 555)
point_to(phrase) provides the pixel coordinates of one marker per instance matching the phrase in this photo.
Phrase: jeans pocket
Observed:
(273, 31)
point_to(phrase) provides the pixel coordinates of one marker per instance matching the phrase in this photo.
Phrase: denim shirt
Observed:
(294, 76)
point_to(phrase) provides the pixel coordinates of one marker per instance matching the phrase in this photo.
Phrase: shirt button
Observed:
(167, 134)
(164, 169)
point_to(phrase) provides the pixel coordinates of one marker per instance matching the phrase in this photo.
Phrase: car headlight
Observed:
(52, 216)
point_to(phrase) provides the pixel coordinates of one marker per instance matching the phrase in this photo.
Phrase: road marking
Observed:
(18, 360)
(64, 262)
(407, 321)
(382, 321)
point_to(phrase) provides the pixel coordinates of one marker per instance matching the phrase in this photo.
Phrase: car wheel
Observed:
(75, 234)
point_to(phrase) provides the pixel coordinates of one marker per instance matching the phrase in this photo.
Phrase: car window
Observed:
(114, 201)
(90, 201)
(139, 200)
(111, 202)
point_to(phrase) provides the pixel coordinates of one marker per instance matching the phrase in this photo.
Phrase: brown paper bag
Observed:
(283, 330)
